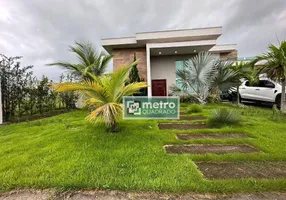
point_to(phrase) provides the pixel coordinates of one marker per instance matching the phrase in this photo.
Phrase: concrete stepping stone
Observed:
(244, 169)
(186, 117)
(182, 126)
(210, 148)
(182, 136)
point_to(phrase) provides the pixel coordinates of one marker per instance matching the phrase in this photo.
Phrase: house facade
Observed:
(162, 53)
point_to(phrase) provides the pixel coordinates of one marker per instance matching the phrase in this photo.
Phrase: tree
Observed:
(42, 94)
(68, 98)
(134, 73)
(134, 77)
(13, 83)
(244, 71)
(275, 67)
(224, 78)
(90, 62)
(204, 74)
(104, 94)
(22, 94)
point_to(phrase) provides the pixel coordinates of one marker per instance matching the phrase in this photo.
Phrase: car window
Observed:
(262, 83)
(266, 83)
(251, 85)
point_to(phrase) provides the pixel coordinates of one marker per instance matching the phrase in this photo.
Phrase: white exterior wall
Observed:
(164, 67)
(216, 55)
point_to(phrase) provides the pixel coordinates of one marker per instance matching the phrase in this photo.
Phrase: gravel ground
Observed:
(116, 195)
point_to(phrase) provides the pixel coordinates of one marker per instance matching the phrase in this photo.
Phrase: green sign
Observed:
(151, 108)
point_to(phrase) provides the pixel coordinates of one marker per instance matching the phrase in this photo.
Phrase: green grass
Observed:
(224, 117)
(67, 152)
(194, 108)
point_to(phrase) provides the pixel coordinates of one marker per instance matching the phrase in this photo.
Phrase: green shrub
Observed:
(194, 108)
(276, 113)
(183, 105)
(212, 99)
(224, 116)
(252, 111)
(188, 99)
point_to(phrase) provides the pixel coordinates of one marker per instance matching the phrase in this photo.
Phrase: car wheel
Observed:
(278, 101)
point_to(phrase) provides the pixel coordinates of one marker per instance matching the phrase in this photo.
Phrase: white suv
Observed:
(266, 90)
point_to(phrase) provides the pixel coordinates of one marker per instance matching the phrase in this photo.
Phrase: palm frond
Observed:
(275, 66)
(225, 77)
(89, 61)
(67, 65)
(104, 60)
(104, 94)
(110, 113)
(130, 89)
(119, 78)
(80, 49)
(89, 89)
(175, 90)
(198, 74)
(93, 102)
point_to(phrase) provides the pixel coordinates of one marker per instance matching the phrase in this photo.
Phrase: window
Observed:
(251, 85)
(180, 65)
(266, 83)
(262, 83)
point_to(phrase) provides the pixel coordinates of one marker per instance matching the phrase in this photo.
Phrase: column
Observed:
(149, 79)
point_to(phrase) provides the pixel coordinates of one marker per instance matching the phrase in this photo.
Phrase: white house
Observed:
(162, 52)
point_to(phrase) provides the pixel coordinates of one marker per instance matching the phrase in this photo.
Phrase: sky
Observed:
(42, 30)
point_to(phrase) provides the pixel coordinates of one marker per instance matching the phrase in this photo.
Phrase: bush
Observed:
(252, 111)
(188, 99)
(193, 99)
(194, 108)
(224, 116)
(183, 105)
(212, 99)
(276, 113)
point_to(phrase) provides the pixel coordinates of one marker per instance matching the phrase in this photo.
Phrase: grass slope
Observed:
(67, 152)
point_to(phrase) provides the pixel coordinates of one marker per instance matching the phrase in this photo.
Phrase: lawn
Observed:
(67, 152)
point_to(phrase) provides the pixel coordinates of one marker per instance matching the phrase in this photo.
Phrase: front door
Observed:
(159, 87)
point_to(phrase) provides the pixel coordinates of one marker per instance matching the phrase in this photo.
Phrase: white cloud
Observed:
(41, 30)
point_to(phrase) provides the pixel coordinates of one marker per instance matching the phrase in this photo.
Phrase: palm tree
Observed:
(204, 74)
(104, 94)
(243, 71)
(275, 66)
(196, 76)
(224, 78)
(90, 62)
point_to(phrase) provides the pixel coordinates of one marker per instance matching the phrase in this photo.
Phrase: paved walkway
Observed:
(118, 195)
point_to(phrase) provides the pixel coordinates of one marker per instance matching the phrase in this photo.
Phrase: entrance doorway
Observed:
(159, 87)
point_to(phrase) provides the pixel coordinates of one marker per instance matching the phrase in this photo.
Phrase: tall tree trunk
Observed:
(114, 127)
(283, 106)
